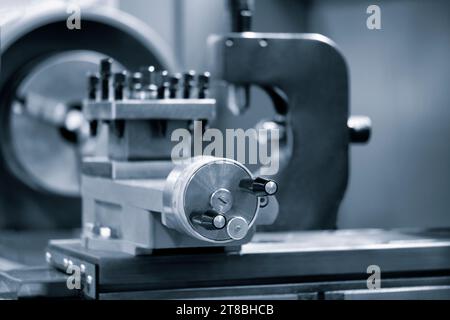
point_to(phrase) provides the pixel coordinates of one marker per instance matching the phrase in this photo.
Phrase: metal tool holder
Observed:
(136, 199)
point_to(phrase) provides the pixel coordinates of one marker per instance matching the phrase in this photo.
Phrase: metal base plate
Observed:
(272, 258)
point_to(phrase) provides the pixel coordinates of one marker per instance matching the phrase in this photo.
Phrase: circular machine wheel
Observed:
(42, 60)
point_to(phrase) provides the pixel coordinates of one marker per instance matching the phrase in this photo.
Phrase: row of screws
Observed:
(146, 84)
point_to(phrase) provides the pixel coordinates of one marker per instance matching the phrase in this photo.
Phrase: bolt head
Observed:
(203, 79)
(175, 79)
(188, 77)
(221, 200)
(237, 228)
(271, 188)
(106, 67)
(93, 80)
(229, 43)
(263, 43)
(120, 77)
(105, 232)
(219, 221)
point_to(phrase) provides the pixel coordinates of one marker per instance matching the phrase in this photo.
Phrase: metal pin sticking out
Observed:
(210, 220)
(260, 186)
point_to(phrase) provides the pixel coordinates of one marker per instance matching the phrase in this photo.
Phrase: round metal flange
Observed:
(202, 198)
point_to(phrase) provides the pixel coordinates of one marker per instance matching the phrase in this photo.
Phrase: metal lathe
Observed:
(87, 126)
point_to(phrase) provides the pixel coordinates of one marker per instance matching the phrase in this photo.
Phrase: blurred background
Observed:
(399, 78)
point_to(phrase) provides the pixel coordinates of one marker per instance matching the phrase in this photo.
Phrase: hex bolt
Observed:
(163, 84)
(203, 85)
(93, 82)
(174, 82)
(119, 85)
(188, 83)
(105, 77)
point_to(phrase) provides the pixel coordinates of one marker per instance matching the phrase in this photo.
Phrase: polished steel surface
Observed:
(323, 261)
(176, 109)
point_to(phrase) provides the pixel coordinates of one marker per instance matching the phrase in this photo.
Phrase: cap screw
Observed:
(188, 83)
(174, 82)
(93, 82)
(105, 76)
(203, 85)
(119, 85)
